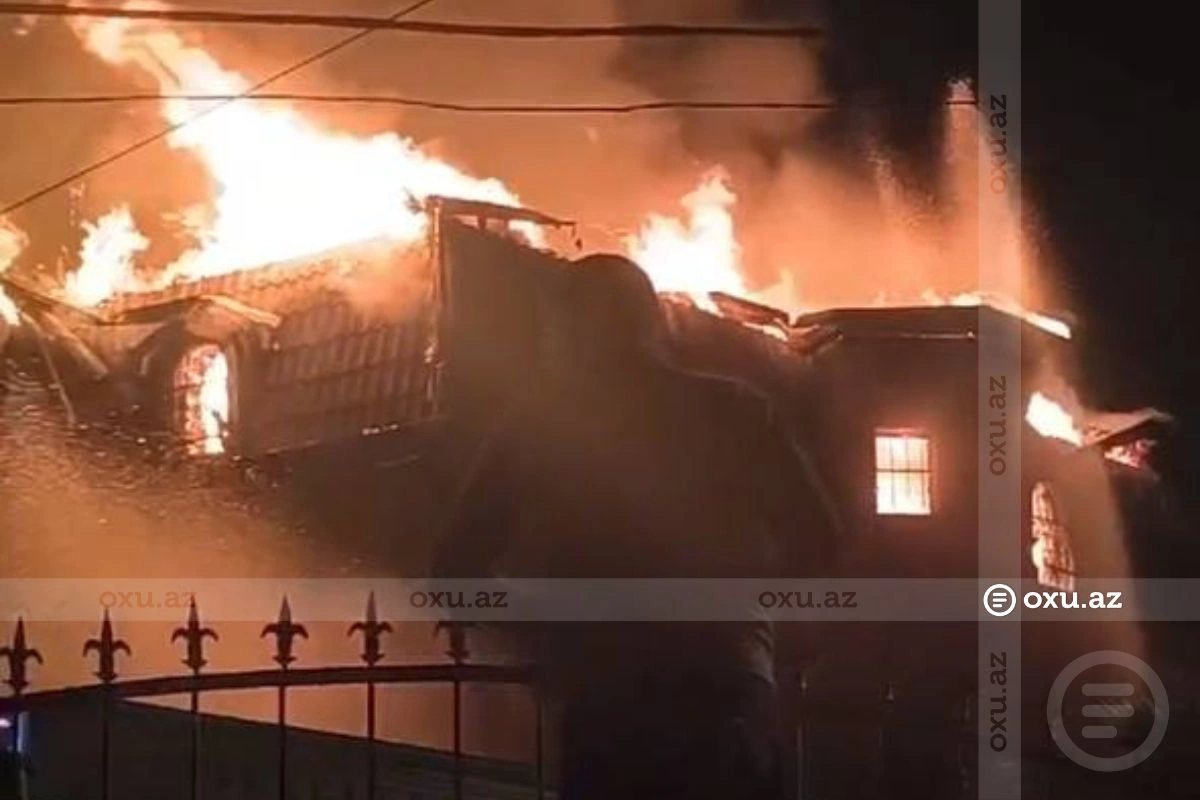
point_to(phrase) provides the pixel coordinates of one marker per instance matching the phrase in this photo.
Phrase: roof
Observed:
(913, 321)
(1109, 428)
(331, 348)
(275, 287)
(337, 349)
(478, 208)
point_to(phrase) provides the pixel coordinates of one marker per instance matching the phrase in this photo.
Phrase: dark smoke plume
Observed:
(886, 65)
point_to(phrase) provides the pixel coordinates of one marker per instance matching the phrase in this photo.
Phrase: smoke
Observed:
(871, 201)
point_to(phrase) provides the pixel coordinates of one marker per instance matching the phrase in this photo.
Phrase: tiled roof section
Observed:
(332, 368)
(278, 288)
(336, 372)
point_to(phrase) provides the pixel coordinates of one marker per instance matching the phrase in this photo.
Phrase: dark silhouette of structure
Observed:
(620, 465)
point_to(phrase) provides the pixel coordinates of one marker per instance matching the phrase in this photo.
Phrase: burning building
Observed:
(323, 372)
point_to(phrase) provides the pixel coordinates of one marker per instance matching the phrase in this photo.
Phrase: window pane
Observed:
(903, 481)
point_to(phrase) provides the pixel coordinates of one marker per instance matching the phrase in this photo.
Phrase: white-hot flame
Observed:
(12, 242)
(214, 401)
(202, 388)
(285, 187)
(1052, 420)
(699, 254)
(106, 258)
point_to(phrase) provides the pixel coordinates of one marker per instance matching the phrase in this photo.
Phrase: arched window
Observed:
(201, 398)
(1051, 548)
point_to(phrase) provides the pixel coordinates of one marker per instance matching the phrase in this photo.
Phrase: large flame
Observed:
(12, 241)
(700, 254)
(1052, 420)
(697, 255)
(286, 188)
(106, 258)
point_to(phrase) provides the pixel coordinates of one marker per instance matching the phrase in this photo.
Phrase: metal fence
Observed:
(193, 635)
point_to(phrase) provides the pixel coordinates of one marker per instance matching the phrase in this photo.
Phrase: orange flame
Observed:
(106, 258)
(285, 187)
(1052, 420)
(1135, 454)
(696, 256)
(701, 254)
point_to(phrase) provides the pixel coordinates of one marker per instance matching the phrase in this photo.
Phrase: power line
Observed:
(438, 105)
(168, 130)
(293, 19)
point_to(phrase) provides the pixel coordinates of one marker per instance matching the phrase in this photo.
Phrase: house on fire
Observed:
(342, 367)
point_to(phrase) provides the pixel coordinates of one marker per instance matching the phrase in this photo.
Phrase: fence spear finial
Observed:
(285, 632)
(106, 647)
(193, 635)
(18, 654)
(372, 630)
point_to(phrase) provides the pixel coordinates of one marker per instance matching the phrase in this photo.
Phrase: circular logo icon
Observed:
(1102, 708)
(999, 600)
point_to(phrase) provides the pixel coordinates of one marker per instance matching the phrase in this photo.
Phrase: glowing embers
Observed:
(201, 393)
(903, 475)
(1051, 549)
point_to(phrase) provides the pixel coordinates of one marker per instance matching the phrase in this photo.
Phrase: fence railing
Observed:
(106, 646)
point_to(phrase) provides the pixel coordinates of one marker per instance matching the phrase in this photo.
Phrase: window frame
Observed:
(927, 473)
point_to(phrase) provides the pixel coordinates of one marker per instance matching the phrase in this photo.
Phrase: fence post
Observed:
(285, 632)
(193, 636)
(18, 655)
(371, 629)
(106, 646)
(458, 653)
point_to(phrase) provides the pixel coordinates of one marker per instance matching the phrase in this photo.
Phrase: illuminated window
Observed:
(201, 389)
(903, 478)
(1051, 548)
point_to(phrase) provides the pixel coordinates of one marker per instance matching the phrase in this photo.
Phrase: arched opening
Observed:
(1051, 548)
(201, 399)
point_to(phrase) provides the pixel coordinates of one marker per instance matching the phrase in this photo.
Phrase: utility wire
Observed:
(294, 19)
(146, 141)
(438, 105)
